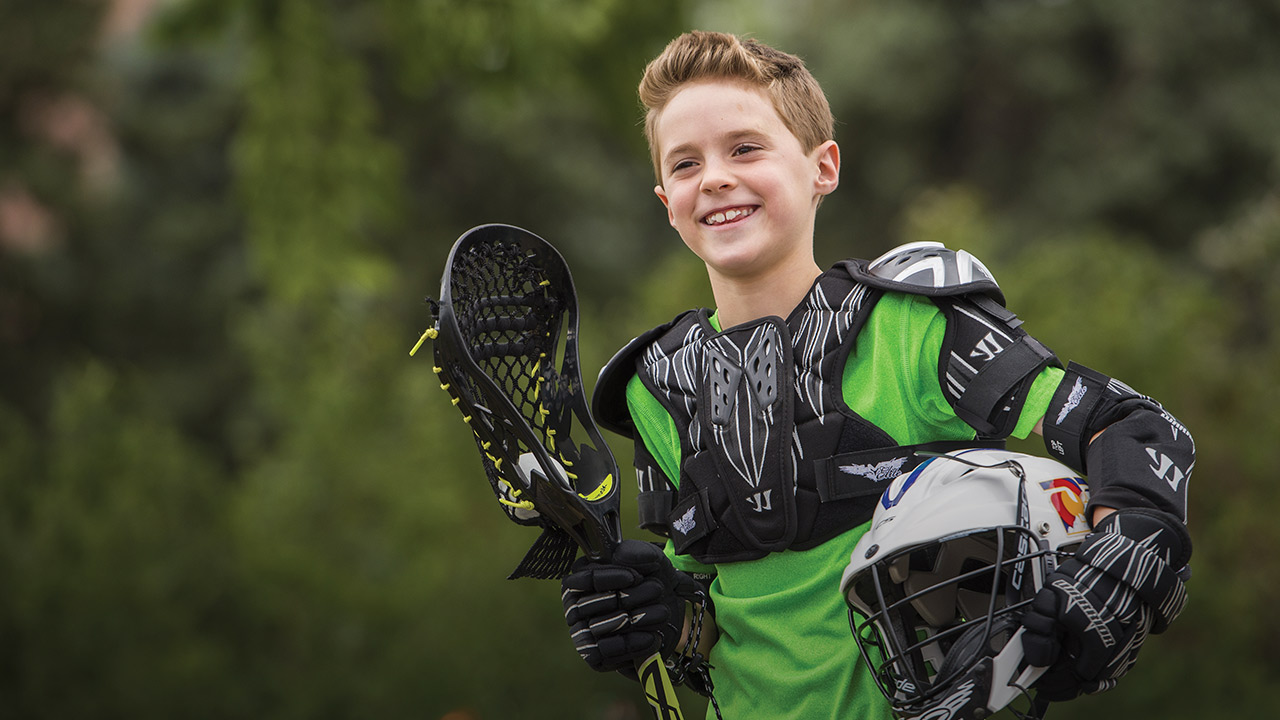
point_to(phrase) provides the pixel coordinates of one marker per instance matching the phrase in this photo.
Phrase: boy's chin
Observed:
(742, 267)
(744, 259)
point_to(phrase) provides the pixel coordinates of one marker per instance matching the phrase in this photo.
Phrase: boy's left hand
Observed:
(1089, 621)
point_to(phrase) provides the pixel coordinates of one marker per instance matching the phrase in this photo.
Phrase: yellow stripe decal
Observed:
(605, 486)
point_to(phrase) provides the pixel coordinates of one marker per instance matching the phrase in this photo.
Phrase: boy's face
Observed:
(736, 183)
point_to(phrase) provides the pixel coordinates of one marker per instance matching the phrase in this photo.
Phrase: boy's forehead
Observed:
(715, 107)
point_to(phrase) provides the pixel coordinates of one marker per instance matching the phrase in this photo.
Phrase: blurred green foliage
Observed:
(225, 489)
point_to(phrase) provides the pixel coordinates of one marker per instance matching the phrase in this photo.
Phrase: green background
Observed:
(226, 491)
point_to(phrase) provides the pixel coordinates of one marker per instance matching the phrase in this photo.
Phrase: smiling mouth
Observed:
(724, 216)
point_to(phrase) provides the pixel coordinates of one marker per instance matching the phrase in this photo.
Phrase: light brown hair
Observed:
(698, 56)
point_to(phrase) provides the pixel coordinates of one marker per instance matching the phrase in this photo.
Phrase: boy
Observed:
(765, 432)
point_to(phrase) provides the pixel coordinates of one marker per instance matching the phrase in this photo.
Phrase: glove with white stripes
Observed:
(624, 610)
(1089, 621)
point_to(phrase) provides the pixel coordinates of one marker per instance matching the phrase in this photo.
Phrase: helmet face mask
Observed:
(940, 626)
(958, 547)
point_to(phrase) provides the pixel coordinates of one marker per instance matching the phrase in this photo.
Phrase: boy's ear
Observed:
(828, 159)
(662, 195)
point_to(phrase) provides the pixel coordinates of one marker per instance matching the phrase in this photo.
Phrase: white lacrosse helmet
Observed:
(957, 549)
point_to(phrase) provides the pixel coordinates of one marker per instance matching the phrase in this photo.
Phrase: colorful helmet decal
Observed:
(1069, 498)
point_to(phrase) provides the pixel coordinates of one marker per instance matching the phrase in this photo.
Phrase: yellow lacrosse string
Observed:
(430, 333)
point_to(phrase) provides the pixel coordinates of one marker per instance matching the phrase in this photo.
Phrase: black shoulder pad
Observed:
(609, 400)
(927, 268)
(988, 363)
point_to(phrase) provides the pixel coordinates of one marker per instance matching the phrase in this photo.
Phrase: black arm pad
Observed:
(1143, 456)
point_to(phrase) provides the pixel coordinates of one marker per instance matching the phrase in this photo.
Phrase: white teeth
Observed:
(719, 217)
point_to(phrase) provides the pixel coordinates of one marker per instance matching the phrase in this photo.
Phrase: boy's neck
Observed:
(741, 300)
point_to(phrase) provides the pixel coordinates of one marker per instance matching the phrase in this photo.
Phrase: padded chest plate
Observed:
(755, 406)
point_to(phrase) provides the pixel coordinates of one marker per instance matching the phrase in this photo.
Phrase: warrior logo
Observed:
(1073, 400)
(987, 348)
(686, 522)
(1165, 469)
(761, 501)
(1068, 497)
(886, 470)
(1076, 599)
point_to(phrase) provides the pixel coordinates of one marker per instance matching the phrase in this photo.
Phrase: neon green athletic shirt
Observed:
(785, 650)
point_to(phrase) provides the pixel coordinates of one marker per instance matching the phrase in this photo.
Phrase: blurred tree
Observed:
(114, 557)
(1149, 118)
(46, 53)
(526, 113)
(141, 262)
(117, 261)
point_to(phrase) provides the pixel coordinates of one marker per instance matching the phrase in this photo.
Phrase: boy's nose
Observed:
(716, 177)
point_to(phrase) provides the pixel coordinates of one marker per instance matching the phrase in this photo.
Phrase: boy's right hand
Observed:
(624, 610)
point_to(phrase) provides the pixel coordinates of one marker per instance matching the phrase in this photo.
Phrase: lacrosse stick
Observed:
(506, 351)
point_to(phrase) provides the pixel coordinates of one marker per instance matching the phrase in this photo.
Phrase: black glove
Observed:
(1088, 622)
(624, 610)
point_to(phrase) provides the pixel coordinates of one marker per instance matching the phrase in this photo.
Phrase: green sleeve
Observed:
(655, 427)
(1038, 399)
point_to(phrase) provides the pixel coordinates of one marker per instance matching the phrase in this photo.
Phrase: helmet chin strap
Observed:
(1005, 663)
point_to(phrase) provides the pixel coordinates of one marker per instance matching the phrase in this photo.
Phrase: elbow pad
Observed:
(1143, 459)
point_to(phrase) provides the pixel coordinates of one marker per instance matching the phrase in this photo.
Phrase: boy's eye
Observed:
(744, 149)
(681, 165)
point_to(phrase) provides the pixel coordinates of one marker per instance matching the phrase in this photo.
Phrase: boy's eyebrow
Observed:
(730, 136)
(680, 149)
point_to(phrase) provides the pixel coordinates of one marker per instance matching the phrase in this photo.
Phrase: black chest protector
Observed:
(772, 456)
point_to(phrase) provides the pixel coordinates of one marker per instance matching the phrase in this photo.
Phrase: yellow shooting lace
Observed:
(429, 333)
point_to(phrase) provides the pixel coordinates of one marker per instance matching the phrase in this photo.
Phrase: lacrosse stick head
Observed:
(506, 351)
